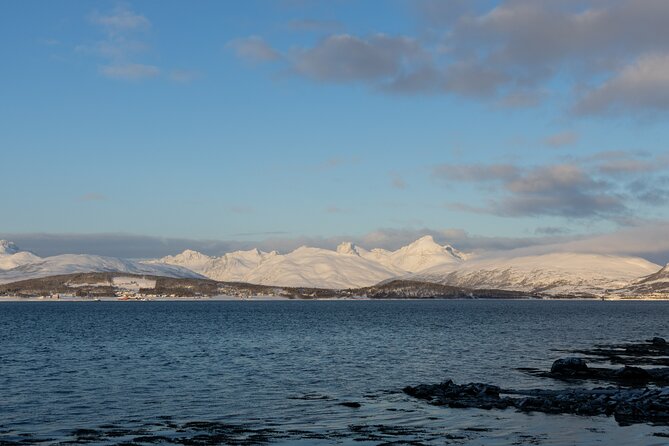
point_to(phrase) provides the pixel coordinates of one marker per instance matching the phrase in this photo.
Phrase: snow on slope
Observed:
(82, 263)
(422, 254)
(653, 283)
(554, 273)
(8, 248)
(231, 267)
(350, 266)
(319, 268)
(11, 256)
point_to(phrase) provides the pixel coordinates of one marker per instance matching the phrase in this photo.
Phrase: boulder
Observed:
(629, 373)
(351, 404)
(658, 341)
(569, 366)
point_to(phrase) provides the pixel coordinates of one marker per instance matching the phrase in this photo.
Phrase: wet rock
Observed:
(628, 406)
(351, 404)
(569, 366)
(651, 352)
(658, 341)
(447, 393)
(630, 373)
(633, 403)
(627, 375)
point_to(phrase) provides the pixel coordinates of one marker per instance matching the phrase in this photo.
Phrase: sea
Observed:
(295, 372)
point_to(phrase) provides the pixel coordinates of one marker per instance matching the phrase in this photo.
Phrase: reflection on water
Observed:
(149, 372)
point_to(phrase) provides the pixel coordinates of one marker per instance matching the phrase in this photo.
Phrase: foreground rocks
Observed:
(654, 351)
(632, 401)
(568, 370)
(628, 406)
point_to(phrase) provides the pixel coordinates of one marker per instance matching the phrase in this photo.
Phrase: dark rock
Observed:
(628, 406)
(652, 352)
(569, 366)
(351, 404)
(658, 341)
(478, 395)
(633, 403)
(630, 373)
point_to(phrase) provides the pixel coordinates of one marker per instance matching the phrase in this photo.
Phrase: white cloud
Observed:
(641, 85)
(609, 186)
(253, 49)
(510, 53)
(120, 20)
(123, 49)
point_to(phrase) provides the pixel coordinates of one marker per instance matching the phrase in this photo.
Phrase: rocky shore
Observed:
(640, 395)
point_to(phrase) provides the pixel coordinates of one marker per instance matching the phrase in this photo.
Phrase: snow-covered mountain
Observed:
(654, 283)
(18, 265)
(231, 267)
(556, 273)
(8, 248)
(350, 266)
(319, 268)
(11, 256)
(422, 254)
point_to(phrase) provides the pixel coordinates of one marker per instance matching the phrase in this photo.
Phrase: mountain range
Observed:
(351, 266)
(16, 265)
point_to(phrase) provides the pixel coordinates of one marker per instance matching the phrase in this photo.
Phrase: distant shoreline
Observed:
(222, 298)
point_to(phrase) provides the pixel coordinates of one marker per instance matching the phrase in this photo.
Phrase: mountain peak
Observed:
(190, 255)
(425, 243)
(7, 247)
(347, 248)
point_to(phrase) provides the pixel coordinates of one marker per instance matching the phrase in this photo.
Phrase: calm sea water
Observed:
(201, 372)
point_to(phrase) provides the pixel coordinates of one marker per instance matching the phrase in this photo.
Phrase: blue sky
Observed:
(286, 120)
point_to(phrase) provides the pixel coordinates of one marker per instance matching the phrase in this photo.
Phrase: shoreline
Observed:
(224, 298)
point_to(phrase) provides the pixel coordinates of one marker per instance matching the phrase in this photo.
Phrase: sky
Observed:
(143, 127)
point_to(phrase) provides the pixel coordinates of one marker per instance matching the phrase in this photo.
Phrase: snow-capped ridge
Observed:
(351, 266)
(230, 267)
(422, 254)
(348, 266)
(554, 273)
(86, 263)
(8, 248)
(347, 248)
(11, 256)
(423, 244)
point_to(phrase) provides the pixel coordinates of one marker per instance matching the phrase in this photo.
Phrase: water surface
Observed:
(280, 368)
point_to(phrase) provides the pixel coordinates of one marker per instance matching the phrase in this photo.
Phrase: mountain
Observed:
(353, 267)
(82, 263)
(231, 267)
(303, 267)
(651, 284)
(8, 248)
(422, 254)
(319, 268)
(12, 256)
(349, 266)
(556, 273)
(424, 260)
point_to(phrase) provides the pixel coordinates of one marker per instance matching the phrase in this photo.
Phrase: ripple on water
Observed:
(279, 371)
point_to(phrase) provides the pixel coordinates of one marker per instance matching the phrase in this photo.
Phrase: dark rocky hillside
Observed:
(113, 284)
